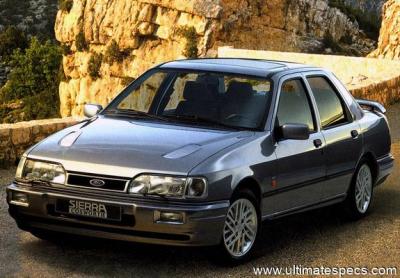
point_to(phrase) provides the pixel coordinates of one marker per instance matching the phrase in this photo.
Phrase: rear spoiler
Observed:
(371, 105)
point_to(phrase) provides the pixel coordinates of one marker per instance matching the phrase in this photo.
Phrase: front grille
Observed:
(97, 182)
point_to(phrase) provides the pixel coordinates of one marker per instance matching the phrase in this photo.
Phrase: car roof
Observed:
(255, 67)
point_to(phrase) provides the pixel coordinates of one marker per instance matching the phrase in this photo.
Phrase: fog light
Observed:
(169, 217)
(19, 199)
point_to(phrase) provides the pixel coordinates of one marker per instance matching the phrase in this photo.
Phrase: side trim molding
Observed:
(306, 183)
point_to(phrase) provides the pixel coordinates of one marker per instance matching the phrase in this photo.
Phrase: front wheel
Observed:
(241, 228)
(361, 192)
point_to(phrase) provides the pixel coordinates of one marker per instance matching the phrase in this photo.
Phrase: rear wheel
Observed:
(241, 229)
(361, 192)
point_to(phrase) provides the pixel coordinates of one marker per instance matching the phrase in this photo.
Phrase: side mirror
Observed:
(91, 110)
(294, 131)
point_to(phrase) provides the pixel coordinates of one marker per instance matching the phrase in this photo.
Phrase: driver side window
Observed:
(142, 97)
(294, 105)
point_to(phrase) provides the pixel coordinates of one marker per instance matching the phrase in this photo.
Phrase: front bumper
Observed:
(202, 226)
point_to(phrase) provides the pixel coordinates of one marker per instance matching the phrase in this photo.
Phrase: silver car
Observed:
(200, 152)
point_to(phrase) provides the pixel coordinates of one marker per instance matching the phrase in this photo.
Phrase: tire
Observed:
(360, 195)
(241, 231)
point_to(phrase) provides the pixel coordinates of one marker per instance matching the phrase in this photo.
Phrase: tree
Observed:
(12, 38)
(33, 83)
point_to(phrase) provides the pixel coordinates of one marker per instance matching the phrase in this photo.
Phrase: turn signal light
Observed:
(19, 199)
(169, 217)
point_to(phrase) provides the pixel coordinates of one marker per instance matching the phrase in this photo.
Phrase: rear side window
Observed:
(330, 106)
(294, 105)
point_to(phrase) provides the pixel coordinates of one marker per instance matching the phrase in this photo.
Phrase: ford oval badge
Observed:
(97, 182)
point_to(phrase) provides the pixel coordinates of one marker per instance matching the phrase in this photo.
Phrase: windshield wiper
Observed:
(201, 120)
(135, 113)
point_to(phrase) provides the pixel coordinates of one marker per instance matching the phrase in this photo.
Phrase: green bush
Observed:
(190, 34)
(31, 91)
(65, 5)
(12, 38)
(80, 42)
(95, 65)
(114, 54)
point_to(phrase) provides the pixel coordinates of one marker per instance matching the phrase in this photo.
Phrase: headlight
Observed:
(33, 170)
(167, 186)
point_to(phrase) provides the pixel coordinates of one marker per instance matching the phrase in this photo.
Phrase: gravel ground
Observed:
(312, 239)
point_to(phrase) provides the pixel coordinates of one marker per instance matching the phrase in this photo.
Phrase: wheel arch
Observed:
(251, 184)
(371, 160)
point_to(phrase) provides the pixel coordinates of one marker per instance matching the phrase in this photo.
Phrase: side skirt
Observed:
(323, 203)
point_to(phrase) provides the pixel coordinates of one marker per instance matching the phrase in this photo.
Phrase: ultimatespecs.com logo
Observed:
(299, 270)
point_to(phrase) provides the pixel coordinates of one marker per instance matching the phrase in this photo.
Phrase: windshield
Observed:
(211, 99)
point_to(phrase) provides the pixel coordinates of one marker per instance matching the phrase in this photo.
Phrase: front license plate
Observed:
(88, 209)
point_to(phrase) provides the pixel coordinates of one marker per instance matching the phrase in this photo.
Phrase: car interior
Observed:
(233, 102)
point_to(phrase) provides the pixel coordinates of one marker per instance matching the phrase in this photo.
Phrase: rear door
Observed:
(300, 163)
(341, 133)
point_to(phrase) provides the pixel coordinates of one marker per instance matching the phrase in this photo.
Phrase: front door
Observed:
(300, 163)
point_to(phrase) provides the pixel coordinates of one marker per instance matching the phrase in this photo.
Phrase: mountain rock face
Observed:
(35, 17)
(148, 32)
(368, 6)
(389, 38)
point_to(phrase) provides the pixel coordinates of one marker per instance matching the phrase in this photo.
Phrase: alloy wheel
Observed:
(240, 229)
(363, 189)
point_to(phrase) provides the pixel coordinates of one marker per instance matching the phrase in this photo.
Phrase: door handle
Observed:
(317, 143)
(354, 134)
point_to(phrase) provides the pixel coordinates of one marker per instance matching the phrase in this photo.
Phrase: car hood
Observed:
(126, 147)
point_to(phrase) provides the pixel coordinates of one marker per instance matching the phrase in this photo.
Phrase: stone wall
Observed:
(386, 92)
(369, 78)
(16, 138)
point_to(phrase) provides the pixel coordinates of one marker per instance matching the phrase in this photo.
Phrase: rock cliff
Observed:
(142, 33)
(35, 17)
(368, 6)
(389, 38)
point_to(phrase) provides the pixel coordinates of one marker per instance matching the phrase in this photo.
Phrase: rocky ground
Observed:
(316, 238)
